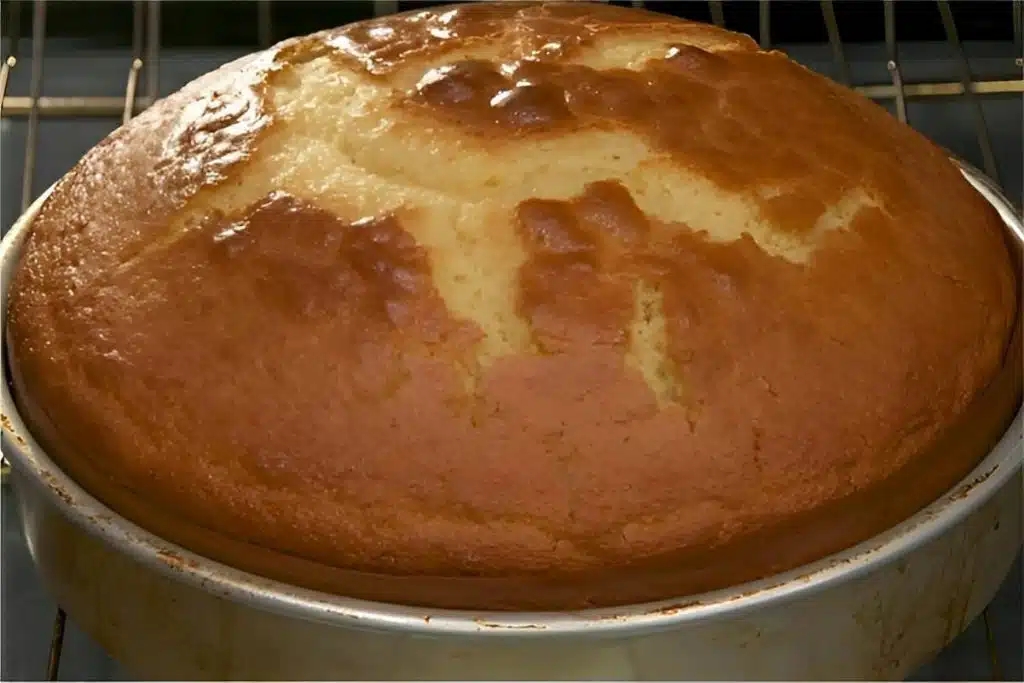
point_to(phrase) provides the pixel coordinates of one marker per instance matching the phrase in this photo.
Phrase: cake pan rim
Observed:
(180, 564)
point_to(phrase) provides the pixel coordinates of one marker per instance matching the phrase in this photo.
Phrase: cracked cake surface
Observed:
(526, 306)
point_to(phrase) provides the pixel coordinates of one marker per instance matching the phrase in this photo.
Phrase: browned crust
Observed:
(284, 389)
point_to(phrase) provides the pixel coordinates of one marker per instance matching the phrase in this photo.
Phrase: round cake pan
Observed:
(873, 612)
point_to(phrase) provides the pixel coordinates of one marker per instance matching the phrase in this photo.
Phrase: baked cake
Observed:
(516, 307)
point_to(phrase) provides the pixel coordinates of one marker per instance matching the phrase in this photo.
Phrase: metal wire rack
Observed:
(141, 88)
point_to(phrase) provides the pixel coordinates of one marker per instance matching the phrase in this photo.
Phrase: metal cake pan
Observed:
(875, 611)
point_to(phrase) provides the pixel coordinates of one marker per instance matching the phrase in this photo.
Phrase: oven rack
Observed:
(142, 78)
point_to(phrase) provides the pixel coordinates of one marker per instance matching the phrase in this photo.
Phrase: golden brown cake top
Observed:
(525, 291)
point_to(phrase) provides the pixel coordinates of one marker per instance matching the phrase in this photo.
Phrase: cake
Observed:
(516, 307)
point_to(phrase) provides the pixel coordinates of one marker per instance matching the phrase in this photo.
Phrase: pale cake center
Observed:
(341, 142)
